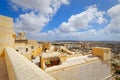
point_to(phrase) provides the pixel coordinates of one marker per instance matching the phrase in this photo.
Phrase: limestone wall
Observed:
(46, 45)
(1, 51)
(7, 34)
(10, 69)
(37, 51)
(104, 53)
(33, 42)
(63, 49)
(23, 48)
(6, 21)
(20, 68)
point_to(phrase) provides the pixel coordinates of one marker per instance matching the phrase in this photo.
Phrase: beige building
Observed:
(104, 53)
(28, 48)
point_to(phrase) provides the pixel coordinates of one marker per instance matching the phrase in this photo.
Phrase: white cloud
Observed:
(110, 32)
(82, 20)
(118, 0)
(42, 6)
(37, 13)
(30, 22)
(43, 10)
(114, 26)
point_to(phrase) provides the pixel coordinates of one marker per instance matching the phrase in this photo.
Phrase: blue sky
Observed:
(65, 19)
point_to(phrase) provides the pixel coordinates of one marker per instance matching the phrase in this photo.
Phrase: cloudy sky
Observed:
(65, 19)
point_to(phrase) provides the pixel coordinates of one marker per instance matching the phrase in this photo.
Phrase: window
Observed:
(17, 50)
(32, 47)
(26, 49)
(107, 52)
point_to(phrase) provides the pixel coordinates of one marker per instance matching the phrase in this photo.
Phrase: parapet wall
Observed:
(10, 68)
(20, 68)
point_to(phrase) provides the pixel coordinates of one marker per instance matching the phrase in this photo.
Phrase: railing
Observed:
(20, 68)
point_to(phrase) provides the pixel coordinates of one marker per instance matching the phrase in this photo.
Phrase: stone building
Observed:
(104, 53)
(28, 48)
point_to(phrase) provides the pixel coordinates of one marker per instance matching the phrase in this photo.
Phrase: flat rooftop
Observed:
(50, 54)
(85, 67)
(72, 62)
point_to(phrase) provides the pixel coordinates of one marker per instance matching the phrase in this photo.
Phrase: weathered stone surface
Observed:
(6, 21)
(7, 34)
(20, 68)
(95, 70)
(3, 69)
